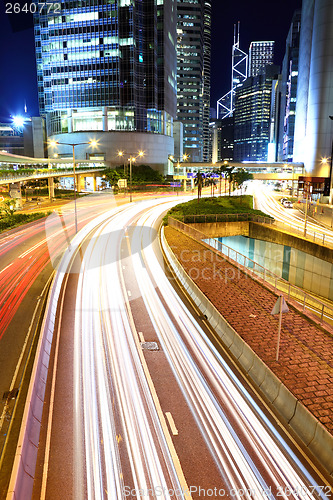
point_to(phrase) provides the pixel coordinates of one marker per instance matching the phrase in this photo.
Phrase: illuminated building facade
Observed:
(110, 67)
(289, 77)
(206, 78)
(253, 115)
(222, 139)
(260, 55)
(314, 106)
(193, 75)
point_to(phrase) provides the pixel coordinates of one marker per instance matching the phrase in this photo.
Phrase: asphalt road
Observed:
(141, 403)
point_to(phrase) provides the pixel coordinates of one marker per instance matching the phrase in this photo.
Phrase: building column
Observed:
(50, 185)
(105, 119)
(70, 120)
(184, 185)
(80, 182)
(15, 193)
(94, 182)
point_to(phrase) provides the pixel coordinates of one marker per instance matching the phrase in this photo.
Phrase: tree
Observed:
(198, 181)
(241, 176)
(220, 171)
(112, 175)
(7, 208)
(230, 175)
(211, 181)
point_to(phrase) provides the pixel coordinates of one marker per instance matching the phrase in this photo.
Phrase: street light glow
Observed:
(18, 121)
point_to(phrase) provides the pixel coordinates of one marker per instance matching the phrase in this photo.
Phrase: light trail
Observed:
(266, 202)
(117, 426)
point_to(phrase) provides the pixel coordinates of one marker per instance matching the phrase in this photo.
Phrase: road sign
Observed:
(278, 304)
(279, 308)
(122, 183)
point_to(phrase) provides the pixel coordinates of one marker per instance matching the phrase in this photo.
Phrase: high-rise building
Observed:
(314, 106)
(206, 78)
(254, 102)
(109, 67)
(222, 139)
(193, 74)
(260, 54)
(289, 76)
(239, 72)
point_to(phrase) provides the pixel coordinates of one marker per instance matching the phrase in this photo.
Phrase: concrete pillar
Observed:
(105, 119)
(16, 194)
(70, 121)
(80, 183)
(94, 182)
(184, 185)
(50, 184)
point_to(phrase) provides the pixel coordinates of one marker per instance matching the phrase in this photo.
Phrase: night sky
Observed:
(259, 20)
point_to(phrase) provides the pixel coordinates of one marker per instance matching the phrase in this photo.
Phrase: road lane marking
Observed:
(142, 339)
(172, 449)
(129, 293)
(172, 424)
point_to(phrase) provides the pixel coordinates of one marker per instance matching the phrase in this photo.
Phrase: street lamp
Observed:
(308, 190)
(90, 143)
(132, 157)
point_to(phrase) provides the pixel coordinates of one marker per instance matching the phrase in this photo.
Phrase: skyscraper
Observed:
(193, 74)
(289, 90)
(206, 78)
(314, 106)
(252, 116)
(260, 54)
(109, 67)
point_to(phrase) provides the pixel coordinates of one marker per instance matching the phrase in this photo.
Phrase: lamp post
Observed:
(132, 157)
(90, 143)
(306, 206)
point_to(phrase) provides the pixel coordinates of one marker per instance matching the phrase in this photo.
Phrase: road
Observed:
(142, 404)
(28, 256)
(292, 219)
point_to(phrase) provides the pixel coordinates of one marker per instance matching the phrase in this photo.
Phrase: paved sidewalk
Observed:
(305, 362)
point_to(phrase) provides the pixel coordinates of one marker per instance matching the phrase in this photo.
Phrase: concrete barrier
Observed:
(312, 434)
(23, 471)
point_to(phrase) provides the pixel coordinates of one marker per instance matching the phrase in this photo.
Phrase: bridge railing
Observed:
(307, 301)
(319, 237)
(211, 218)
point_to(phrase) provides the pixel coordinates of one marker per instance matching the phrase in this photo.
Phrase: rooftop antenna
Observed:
(239, 62)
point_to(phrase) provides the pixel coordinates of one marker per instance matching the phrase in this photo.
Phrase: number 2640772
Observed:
(32, 7)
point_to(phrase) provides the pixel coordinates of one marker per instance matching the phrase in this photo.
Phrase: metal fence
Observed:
(211, 218)
(316, 306)
(319, 237)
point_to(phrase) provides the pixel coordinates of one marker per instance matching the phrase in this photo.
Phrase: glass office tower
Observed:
(260, 54)
(108, 66)
(314, 105)
(193, 75)
(252, 116)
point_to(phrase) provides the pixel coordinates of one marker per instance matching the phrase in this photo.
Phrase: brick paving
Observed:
(305, 362)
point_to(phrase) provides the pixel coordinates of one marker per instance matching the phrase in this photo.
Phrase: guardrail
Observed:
(211, 218)
(50, 173)
(267, 276)
(318, 237)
